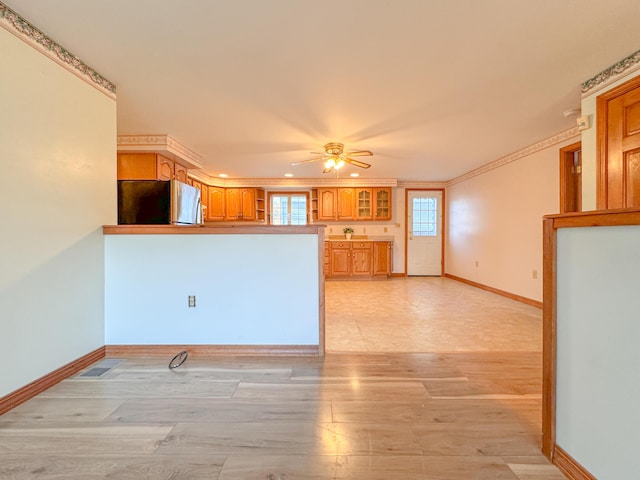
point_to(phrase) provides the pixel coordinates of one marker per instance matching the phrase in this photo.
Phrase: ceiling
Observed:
(435, 88)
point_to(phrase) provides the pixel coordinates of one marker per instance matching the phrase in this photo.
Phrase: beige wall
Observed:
(495, 223)
(57, 148)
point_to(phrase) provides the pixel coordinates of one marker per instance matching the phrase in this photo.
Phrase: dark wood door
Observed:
(619, 147)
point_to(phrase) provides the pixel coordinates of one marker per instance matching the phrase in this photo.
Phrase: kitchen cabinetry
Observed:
(327, 258)
(149, 166)
(339, 204)
(244, 204)
(363, 204)
(327, 199)
(216, 204)
(180, 173)
(382, 203)
(357, 258)
(382, 258)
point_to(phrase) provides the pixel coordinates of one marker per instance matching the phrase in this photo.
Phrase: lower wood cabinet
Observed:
(360, 259)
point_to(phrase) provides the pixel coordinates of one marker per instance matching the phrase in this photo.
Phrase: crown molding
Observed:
(163, 144)
(624, 67)
(293, 182)
(517, 155)
(18, 26)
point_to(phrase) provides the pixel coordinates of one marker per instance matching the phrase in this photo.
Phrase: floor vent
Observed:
(95, 372)
(100, 369)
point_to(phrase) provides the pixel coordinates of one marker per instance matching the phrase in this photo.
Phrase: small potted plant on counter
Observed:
(348, 231)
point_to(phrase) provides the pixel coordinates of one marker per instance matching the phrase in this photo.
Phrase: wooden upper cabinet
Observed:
(363, 209)
(339, 204)
(327, 204)
(216, 204)
(137, 166)
(243, 204)
(149, 166)
(382, 203)
(346, 203)
(248, 203)
(233, 208)
(180, 173)
(165, 168)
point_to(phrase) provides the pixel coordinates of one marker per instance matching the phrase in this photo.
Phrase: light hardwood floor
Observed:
(408, 390)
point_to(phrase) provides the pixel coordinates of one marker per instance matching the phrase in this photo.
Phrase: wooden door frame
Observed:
(406, 225)
(602, 140)
(566, 164)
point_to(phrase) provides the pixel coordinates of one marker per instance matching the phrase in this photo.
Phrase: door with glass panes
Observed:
(424, 232)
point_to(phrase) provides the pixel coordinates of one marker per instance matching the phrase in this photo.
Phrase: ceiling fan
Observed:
(334, 158)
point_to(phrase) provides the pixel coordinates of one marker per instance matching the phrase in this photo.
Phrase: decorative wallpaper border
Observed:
(22, 29)
(421, 184)
(517, 155)
(624, 66)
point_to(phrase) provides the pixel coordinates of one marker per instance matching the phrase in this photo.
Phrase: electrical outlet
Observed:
(331, 230)
(385, 229)
(364, 230)
(192, 301)
(534, 274)
(477, 263)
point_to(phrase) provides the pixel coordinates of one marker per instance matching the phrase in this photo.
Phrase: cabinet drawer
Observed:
(340, 245)
(361, 245)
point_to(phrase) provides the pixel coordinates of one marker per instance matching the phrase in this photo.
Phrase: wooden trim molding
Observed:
(569, 191)
(213, 350)
(512, 296)
(548, 338)
(40, 385)
(551, 224)
(232, 229)
(569, 466)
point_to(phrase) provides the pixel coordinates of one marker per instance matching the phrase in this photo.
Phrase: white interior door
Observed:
(424, 232)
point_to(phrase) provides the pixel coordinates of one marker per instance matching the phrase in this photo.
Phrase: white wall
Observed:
(495, 219)
(58, 150)
(589, 153)
(598, 333)
(250, 289)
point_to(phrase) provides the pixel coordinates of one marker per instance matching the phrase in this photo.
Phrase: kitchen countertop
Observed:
(223, 229)
(360, 238)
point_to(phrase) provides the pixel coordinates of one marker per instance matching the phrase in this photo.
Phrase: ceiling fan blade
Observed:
(307, 161)
(357, 163)
(327, 170)
(361, 153)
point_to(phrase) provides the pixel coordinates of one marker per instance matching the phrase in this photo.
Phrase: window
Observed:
(425, 216)
(288, 208)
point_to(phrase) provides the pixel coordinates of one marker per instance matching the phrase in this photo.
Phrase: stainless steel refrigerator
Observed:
(158, 202)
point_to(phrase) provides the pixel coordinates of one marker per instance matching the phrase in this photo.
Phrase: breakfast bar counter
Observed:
(234, 289)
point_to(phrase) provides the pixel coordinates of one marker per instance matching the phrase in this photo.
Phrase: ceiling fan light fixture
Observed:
(339, 164)
(330, 163)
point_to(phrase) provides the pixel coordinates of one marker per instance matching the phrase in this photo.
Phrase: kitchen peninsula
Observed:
(256, 289)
